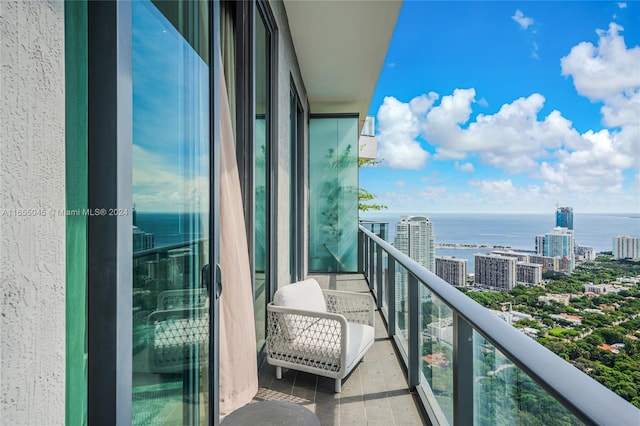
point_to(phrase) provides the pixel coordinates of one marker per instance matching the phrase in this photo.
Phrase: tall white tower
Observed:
(415, 238)
(559, 242)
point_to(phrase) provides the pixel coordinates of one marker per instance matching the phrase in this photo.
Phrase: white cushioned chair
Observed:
(325, 332)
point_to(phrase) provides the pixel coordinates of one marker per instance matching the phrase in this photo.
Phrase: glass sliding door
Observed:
(171, 190)
(261, 171)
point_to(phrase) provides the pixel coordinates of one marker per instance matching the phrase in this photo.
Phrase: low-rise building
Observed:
(560, 298)
(602, 288)
(573, 319)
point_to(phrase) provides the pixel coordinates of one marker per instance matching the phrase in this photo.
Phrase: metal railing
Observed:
(469, 366)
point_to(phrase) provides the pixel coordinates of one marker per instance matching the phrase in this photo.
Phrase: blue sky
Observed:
(170, 117)
(509, 106)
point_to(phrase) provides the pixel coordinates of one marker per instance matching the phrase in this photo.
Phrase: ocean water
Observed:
(172, 228)
(516, 230)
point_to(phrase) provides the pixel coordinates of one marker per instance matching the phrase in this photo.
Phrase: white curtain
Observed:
(238, 363)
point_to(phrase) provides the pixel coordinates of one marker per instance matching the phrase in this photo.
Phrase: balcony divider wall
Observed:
(333, 193)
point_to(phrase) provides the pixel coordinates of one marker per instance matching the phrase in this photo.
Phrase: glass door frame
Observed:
(297, 185)
(110, 245)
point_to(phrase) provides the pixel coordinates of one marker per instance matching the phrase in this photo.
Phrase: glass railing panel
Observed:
(402, 306)
(505, 395)
(436, 350)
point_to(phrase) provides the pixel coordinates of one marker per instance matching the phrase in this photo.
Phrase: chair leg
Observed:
(338, 388)
(278, 372)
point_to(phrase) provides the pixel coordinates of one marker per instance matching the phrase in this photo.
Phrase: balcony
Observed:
(439, 358)
(375, 393)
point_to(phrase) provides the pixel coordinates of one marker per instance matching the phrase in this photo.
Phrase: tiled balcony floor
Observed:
(375, 393)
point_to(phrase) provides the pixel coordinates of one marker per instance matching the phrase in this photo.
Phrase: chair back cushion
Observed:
(304, 295)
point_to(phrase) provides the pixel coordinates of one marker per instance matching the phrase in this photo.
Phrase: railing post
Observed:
(391, 295)
(379, 276)
(414, 331)
(365, 256)
(372, 249)
(360, 251)
(462, 372)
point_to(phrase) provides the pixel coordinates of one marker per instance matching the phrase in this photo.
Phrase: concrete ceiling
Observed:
(341, 47)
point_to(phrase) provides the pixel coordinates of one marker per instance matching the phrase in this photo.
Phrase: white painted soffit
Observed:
(341, 47)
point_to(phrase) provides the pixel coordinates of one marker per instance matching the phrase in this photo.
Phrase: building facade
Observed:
(495, 272)
(522, 257)
(452, 270)
(585, 252)
(415, 238)
(539, 245)
(626, 247)
(564, 217)
(528, 273)
(559, 242)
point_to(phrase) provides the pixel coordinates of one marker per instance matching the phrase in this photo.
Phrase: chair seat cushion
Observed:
(361, 336)
(304, 295)
(318, 345)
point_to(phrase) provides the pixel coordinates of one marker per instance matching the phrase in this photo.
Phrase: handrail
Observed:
(583, 396)
(160, 249)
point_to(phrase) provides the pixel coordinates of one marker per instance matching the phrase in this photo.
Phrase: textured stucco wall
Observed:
(287, 68)
(32, 248)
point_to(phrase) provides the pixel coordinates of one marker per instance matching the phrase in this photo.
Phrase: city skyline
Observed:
(542, 109)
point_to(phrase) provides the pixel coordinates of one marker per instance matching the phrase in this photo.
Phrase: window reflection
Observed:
(171, 201)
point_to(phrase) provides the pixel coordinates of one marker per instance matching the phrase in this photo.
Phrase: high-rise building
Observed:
(564, 217)
(540, 245)
(494, 271)
(559, 242)
(142, 240)
(528, 273)
(522, 257)
(415, 238)
(451, 269)
(626, 247)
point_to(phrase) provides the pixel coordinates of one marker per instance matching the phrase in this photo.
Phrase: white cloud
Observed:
(534, 51)
(512, 139)
(158, 187)
(606, 71)
(498, 187)
(522, 20)
(465, 167)
(598, 166)
(431, 192)
(622, 5)
(563, 164)
(400, 184)
(398, 126)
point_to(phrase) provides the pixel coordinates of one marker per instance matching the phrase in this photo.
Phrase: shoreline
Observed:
(481, 247)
